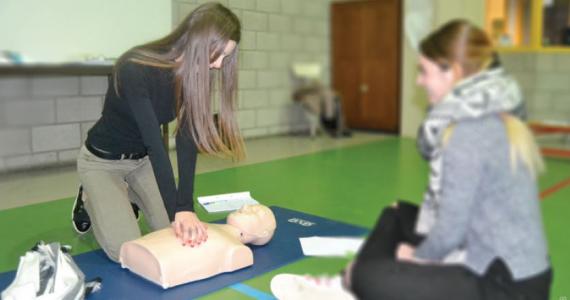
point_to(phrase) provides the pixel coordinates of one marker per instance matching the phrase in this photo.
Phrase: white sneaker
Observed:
(296, 287)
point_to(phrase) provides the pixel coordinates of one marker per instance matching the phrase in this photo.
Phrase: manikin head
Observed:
(256, 223)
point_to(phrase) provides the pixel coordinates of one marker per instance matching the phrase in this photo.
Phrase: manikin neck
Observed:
(234, 231)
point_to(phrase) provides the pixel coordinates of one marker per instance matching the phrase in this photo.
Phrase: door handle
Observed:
(363, 88)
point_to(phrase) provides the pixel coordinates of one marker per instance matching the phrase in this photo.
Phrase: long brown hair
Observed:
(199, 40)
(459, 41)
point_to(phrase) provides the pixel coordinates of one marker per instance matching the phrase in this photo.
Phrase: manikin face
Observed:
(230, 46)
(255, 222)
(435, 80)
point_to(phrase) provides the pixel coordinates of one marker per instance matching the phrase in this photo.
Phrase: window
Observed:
(529, 25)
(509, 22)
(556, 23)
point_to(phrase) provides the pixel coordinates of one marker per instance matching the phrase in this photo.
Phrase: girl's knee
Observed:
(113, 253)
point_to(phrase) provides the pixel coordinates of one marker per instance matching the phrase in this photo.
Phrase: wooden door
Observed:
(366, 62)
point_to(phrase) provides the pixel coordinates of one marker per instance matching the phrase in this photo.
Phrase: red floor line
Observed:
(555, 188)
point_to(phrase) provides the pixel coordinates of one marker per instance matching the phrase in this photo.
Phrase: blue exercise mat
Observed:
(283, 249)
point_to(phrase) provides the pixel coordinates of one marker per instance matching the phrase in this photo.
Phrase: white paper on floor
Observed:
(226, 202)
(330, 246)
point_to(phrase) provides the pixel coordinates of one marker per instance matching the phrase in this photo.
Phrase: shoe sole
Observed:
(290, 287)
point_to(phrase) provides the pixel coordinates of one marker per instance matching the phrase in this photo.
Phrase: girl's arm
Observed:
(462, 172)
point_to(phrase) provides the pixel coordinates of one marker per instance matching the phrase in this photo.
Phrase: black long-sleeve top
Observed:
(130, 123)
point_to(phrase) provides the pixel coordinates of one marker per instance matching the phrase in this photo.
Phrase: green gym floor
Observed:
(349, 183)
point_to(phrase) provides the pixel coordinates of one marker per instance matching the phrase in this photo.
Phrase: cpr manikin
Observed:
(161, 258)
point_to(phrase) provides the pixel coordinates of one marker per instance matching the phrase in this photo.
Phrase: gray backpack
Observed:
(48, 272)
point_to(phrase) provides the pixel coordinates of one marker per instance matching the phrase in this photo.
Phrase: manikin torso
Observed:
(161, 258)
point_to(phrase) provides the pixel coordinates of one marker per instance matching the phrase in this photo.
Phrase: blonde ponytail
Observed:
(522, 145)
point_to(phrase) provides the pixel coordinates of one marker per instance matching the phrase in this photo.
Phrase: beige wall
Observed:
(473, 10)
(544, 79)
(71, 30)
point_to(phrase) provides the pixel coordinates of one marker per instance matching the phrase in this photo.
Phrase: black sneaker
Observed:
(136, 211)
(79, 217)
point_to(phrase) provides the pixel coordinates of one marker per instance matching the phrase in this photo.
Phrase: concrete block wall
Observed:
(545, 81)
(44, 119)
(275, 34)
